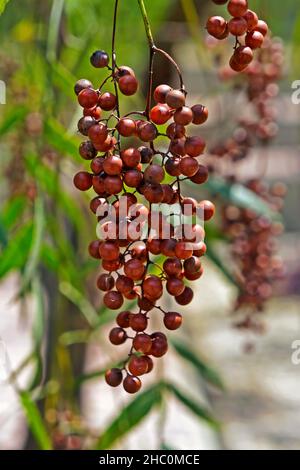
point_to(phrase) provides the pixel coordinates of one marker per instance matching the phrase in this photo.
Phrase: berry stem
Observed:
(114, 57)
(146, 23)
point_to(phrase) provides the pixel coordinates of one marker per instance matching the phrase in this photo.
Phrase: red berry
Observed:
(194, 146)
(126, 127)
(113, 377)
(252, 19)
(200, 114)
(216, 26)
(186, 297)
(237, 26)
(262, 27)
(208, 209)
(107, 101)
(138, 365)
(99, 59)
(138, 322)
(172, 320)
(113, 300)
(132, 384)
(83, 180)
(128, 85)
(175, 99)
(254, 39)
(117, 336)
(105, 282)
(160, 114)
(88, 98)
(142, 343)
(237, 7)
(161, 92)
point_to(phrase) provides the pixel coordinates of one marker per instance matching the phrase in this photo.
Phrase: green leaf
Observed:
(16, 253)
(36, 245)
(78, 299)
(194, 407)
(57, 136)
(3, 4)
(215, 258)
(68, 338)
(35, 421)
(130, 416)
(49, 182)
(12, 211)
(206, 372)
(13, 118)
(241, 196)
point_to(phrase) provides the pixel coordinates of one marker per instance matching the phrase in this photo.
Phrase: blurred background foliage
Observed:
(45, 226)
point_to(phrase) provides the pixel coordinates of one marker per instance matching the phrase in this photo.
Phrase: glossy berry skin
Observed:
(87, 150)
(160, 114)
(138, 365)
(105, 282)
(175, 99)
(114, 377)
(237, 7)
(113, 165)
(201, 176)
(117, 336)
(99, 59)
(237, 26)
(159, 347)
(132, 384)
(113, 300)
(188, 166)
(107, 101)
(154, 174)
(254, 39)
(216, 26)
(186, 297)
(94, 249)
(161, 92)
(83, 180)
(208, 209)
(200, 114)
(243, 55)
(128, 85)
(88, 98)
(126, 127)
(81, 85)
(172, 320)
(138, 322)
(147, 132)
(134, 269)
(194, 146)
(262, 27)
(183, 116)
(252, 19)
(142, 343)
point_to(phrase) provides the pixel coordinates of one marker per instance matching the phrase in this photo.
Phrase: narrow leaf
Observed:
(130, 416)
(241, 196)
(16, 253)
(35, 422)
(205, 371)
(57, 136)
(13, 118)
(194, 407)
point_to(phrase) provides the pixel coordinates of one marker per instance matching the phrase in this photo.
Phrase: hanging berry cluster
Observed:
(260, 125)
(249, 31)
(143, 175)
(254, 250)
(253, 236)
